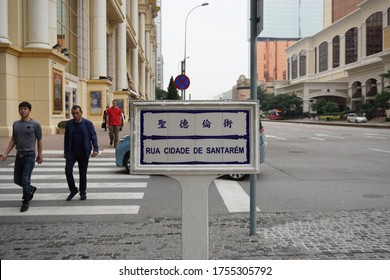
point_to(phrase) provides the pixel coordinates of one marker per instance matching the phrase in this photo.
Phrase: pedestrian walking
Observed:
(80, 140)
(114, 122)
(104, 123)
(26, 133)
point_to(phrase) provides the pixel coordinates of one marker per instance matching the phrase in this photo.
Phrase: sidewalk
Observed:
(318, 235)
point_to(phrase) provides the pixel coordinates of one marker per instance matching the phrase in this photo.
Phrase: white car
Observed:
(353, 117)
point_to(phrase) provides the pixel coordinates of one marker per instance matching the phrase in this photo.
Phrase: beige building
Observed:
(343, 62)
(58, 53)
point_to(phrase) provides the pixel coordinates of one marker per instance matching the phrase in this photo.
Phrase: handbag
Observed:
(103, 125)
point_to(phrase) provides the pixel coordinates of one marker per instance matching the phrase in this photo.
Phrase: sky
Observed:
(217, 43)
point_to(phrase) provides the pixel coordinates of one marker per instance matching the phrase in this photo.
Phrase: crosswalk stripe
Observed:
(71, 210)
(93, 185)
(50, 169)
(62, 196)
(235, 198)
(76, 176)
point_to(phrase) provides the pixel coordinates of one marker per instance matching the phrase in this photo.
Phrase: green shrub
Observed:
(62, 124)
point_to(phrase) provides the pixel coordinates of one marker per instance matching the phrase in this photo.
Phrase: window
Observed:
(67, 31)
(323, 56)
(294, 67)
(351, 45)
(336, 51)
(302, 63)
(388, 17)
(288, 69)
(374, 34)
(315, 60)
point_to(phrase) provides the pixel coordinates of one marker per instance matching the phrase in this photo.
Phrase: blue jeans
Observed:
(82, 161)
(24, 165)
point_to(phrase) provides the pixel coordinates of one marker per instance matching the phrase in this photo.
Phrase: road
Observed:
(308, 167)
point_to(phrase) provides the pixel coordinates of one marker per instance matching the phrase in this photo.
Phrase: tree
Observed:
(330, 107)
(172, 91)
(161, 94)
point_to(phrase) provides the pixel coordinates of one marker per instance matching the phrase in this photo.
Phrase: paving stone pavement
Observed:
(320, 235)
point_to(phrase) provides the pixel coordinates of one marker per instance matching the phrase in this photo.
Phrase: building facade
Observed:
(58, 53)
(271, 58)
(343, 62)
(337, 9)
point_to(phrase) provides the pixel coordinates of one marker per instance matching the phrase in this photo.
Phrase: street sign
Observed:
(195, 137)
(182, 82)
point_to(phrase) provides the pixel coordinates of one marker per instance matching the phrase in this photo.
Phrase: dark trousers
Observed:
(82, 161)
(24, 165)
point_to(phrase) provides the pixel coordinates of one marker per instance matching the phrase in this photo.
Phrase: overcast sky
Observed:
(217, 44)
(217, 38)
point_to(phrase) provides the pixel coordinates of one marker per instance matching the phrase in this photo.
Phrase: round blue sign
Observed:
(182, 82)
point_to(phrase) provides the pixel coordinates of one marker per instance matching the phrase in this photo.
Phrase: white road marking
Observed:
(378, 150)
(71, 210)
(62, 196)
(315, 138)
(376, 137)
(328, 135)
(64, 185)
(276, 137)
(76, 176)
(44, 169)
(234, 197)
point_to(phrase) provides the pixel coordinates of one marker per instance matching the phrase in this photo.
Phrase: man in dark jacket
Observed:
(79, 141)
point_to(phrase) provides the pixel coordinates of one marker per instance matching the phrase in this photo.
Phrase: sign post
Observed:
(194, 142)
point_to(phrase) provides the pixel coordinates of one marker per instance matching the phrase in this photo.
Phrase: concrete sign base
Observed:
(195, 220)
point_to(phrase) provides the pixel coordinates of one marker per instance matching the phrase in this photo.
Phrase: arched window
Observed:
(336, 51)
(294, 67)
(357, 90)
(302, 63)
(388, 17)
(323, 56)
(374, 33)
(351, 45)
(315, 60)
(371, 89)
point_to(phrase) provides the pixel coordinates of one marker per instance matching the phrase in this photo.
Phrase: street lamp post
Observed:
(183, 62)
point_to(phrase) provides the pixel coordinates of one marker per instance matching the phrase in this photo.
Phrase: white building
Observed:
(343, 62)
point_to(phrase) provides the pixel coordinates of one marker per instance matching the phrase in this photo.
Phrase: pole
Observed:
(183, 66)
(253, 89)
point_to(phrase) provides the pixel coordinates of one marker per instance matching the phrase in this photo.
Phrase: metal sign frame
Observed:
(194, 137)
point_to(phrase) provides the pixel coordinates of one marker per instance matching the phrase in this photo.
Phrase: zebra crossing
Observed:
(110, 190)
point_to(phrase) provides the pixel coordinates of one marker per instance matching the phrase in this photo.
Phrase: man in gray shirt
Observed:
(26, 133)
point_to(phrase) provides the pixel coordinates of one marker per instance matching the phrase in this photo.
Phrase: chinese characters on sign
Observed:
(195, 137)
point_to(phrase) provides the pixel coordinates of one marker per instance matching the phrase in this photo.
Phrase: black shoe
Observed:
(24, 207)
(34, 189)
(83, 197)
(70, 196)
(111, 143)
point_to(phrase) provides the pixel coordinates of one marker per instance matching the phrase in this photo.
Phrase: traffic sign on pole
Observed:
(182, 82)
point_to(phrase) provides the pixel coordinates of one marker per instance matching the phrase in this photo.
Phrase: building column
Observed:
(38, 24)
(4, 22)
(141, 40)
(342, 50)
(99, 48)
(121, 82)
(148, 58)
(134, 52)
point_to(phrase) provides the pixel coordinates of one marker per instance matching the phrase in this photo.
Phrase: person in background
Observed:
(26, 133)
(104, 124)
(80, 140)
(262, 143)
(114, 122)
